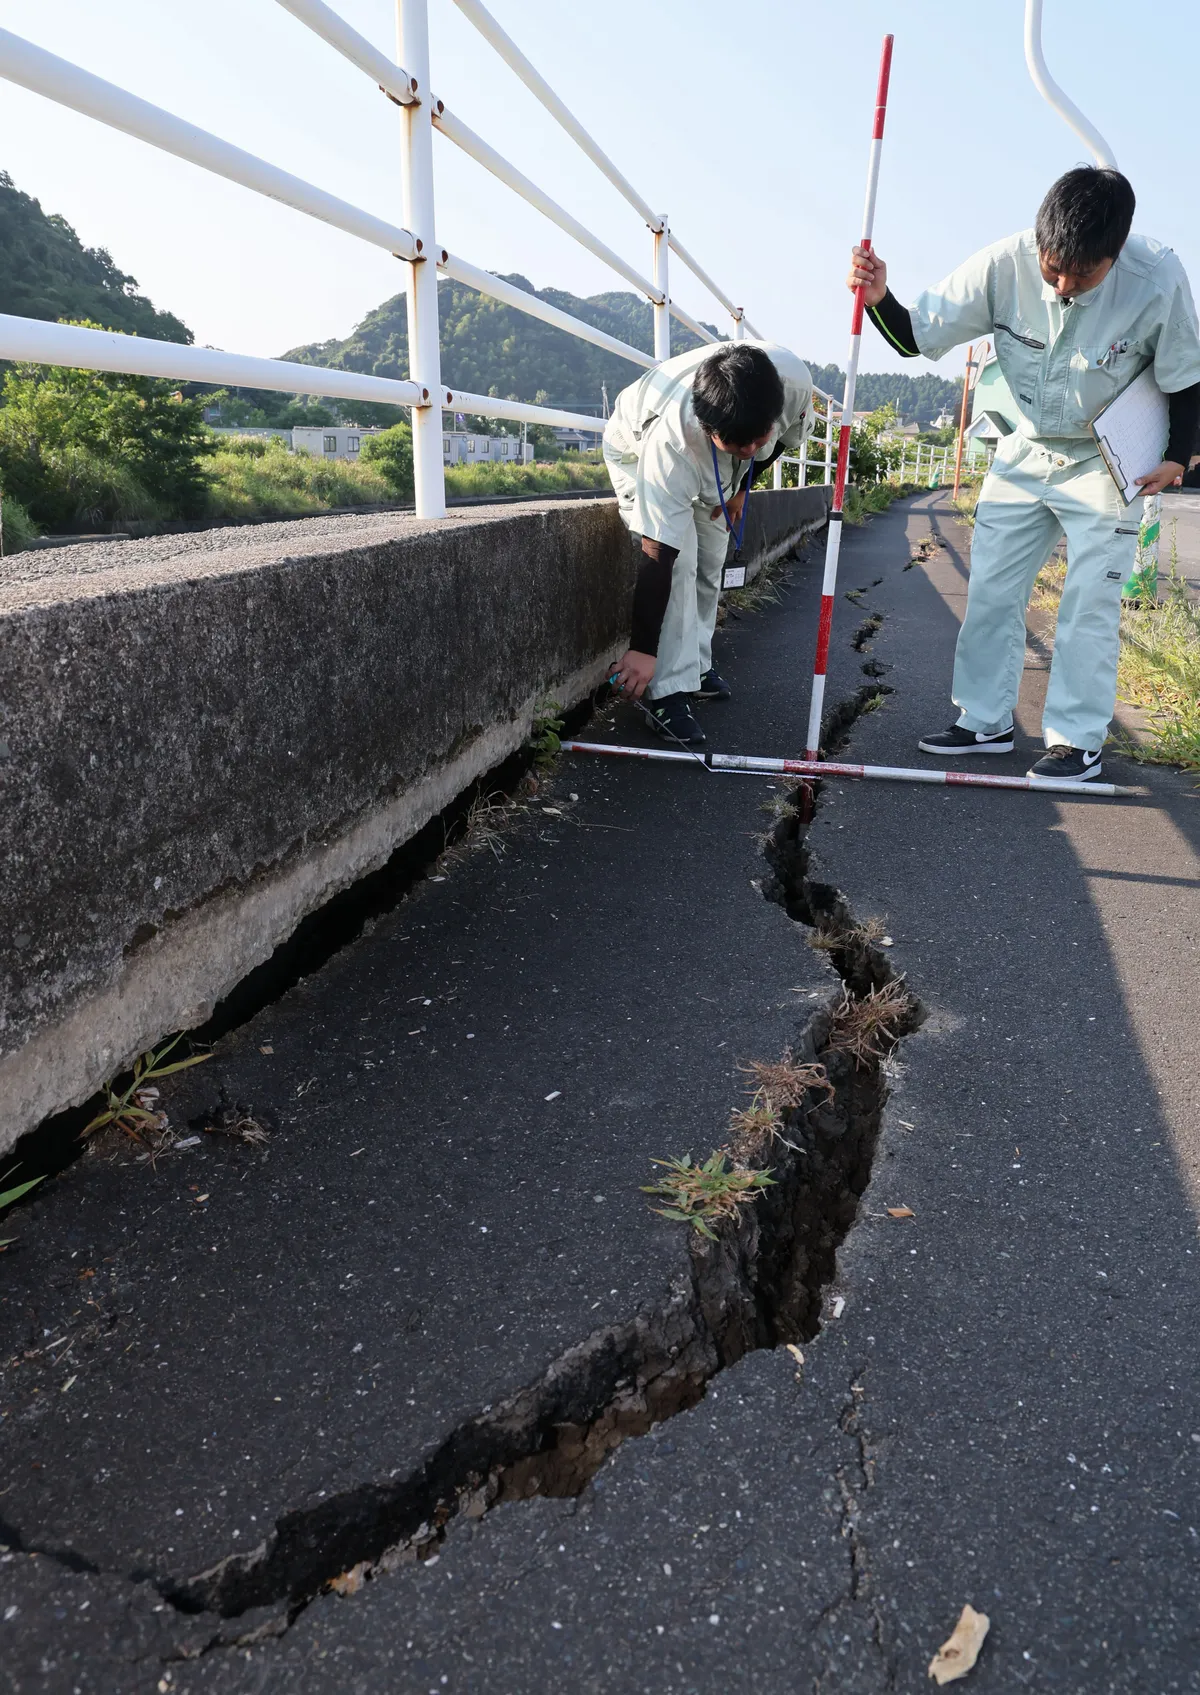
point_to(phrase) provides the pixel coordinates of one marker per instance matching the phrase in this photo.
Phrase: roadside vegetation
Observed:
(1159, 669)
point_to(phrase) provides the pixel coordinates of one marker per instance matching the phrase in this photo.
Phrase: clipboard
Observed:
(1131, 433)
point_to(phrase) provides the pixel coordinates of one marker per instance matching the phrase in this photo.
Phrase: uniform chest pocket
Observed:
(1098, 374)
(1022, 355)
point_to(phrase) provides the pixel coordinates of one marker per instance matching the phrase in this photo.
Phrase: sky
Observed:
(748, 125)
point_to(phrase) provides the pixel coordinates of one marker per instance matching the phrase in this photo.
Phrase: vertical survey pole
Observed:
(834, 543)
(424, 353)
(662, 314)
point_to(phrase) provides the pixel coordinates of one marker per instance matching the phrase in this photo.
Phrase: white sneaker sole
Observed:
(961, 752)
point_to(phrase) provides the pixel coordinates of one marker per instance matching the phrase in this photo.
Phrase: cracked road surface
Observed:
(1003, 1412)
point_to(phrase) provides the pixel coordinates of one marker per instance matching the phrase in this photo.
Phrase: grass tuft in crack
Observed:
(704, 1195)
(867, 1027)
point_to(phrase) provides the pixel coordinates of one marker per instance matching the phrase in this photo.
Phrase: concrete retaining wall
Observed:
(204, 737)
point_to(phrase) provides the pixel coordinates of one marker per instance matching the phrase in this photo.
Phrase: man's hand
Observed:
(1163, 476)
(635, 673)
(735, 507)
(868, 271)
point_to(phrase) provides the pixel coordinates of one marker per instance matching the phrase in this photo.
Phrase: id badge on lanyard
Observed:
(733, 576)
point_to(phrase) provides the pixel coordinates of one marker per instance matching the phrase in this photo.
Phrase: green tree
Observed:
(391, 452)
(90, 447)
(47, 272)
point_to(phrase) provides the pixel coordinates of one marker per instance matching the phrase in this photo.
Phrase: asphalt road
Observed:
(1002, 1406)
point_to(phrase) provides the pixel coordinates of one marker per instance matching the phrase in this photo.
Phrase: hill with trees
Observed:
(47, 272)
(489, 347)
(920, 398)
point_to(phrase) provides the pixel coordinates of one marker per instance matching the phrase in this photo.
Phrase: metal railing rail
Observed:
(406, 82)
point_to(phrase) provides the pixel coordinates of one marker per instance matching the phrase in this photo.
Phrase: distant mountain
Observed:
(920, 398)
(47, 272)
(491, 348)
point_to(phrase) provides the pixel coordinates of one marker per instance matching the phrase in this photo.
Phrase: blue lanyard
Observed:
(741, 529)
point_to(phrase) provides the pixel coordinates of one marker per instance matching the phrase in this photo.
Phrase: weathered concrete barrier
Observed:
(204, 737)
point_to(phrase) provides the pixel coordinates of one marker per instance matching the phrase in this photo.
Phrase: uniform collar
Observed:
(1079, 301)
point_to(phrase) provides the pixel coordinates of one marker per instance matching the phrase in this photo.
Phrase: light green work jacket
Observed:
(1065, 360)
(655, 437)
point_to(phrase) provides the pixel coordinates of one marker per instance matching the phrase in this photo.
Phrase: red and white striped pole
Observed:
(834, 543)
(823, 768)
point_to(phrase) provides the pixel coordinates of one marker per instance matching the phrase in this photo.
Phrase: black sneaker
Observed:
(713, 687)
(673, 718)
(1067, 765)
(955, 741)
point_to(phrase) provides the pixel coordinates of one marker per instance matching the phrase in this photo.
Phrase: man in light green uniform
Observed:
(1077, 308)
(678, 448)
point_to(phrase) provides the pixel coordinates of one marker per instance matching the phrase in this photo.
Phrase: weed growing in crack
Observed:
(704, 1195)
(785, 1082)
(867, 1027)
(863, 634)
(865, 932)
(8, 1196)
(545, 734)
(128, 1110)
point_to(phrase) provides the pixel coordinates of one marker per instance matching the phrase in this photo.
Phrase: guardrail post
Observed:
(828, 440)
(662, 314)
(424, 353)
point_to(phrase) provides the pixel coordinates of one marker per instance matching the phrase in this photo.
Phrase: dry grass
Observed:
(785, 1082)
(867, 1028)
(865, 933)
(1047, 590)
(705, 1195)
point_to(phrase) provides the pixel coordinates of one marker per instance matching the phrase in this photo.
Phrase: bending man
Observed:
(1078, 307)
(678, 446)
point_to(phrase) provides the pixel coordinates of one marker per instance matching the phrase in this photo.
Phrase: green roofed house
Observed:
(994, 414)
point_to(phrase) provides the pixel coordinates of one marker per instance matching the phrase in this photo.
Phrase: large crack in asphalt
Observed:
(759, 1284)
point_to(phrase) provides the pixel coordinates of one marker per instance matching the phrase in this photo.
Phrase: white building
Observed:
(944, 419)
(459, 448)
(329, 441)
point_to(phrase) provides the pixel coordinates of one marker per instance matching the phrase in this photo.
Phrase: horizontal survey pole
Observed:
(522, 411)
(498, 289)
(821, 768)
(456, 131)
(537, 85)
(33, 341)
(384, 72)
(44, 73)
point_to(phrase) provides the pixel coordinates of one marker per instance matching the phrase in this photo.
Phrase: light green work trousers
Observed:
(1032, 496)
(685, 641)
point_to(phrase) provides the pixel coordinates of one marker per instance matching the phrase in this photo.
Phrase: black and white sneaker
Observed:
(673, 718)
(713, 687)
(1067, 765)
(955, 741)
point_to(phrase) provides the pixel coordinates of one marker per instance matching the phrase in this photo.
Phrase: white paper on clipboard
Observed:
(1131, 433)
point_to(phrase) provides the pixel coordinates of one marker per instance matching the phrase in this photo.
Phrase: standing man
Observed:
(1078, 307)
(679, 448)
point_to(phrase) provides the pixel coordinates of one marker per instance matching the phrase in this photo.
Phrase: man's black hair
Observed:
(738, 394)
(1085, 218)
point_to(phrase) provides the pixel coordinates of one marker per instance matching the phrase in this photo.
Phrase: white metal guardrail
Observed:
(406, 82)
